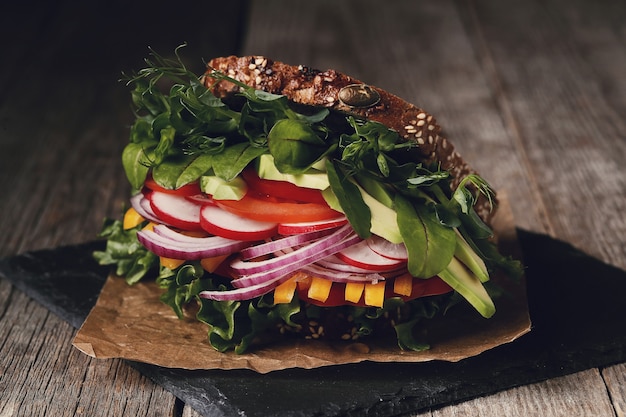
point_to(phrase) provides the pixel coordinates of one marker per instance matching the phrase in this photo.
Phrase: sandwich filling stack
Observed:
(273, 201)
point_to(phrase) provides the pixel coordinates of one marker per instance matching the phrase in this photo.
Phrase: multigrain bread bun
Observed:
(342, 93)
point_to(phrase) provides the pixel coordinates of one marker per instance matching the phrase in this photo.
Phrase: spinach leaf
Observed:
(229, 163)
(136, 164)
(350, 200)
(430, 244)
(198, 167)
(295, 146)
(180, 170)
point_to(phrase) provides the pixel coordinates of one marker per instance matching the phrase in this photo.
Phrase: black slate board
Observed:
(576, 304)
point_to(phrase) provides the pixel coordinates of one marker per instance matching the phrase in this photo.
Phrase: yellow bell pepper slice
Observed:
(353, 292)
(170, 263)
(211, 264)
(319, 289)
(284, 292)
(132, 218)
(150, 226)
(403, 285)
(375, 294)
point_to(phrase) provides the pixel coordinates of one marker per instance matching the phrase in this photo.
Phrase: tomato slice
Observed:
(421, 288)
(281, 189)
(268, 209)
(186, 190)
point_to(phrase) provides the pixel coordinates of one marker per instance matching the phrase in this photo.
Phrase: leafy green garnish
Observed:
(132, 260)
(429, 243)
(350, 199)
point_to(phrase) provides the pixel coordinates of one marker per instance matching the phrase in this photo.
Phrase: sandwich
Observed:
(274, 201)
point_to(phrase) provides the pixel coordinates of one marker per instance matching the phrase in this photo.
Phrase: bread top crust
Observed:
(342, 93)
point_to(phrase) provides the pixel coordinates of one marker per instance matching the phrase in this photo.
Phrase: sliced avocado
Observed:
(221, 189)
(376, 189)
(315, 179)
(469, 286)
(384, 219)
(470, 259)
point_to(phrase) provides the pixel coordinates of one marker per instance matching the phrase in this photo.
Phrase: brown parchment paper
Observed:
(130, 322)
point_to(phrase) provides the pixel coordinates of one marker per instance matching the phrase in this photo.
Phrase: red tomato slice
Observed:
(282, 189)
(268, 209)
(186, 190)
(421, 288)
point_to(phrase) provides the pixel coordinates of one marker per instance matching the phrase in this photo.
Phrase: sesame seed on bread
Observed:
(312, 87)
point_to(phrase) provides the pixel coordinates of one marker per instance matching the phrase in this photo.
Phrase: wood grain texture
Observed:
(568, 129)
(581, 394)
(532, 93)
(64, 119)
(516, 102)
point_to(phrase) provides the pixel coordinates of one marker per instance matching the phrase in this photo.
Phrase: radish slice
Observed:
(360, 255)
(223, 223)
(305, 227)
(175, 210)
(387, 249)
(214, 246)
(274, 246)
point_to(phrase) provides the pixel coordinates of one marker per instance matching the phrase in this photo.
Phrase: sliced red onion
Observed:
(333, 262)
(250, 267)
(142, 206)
(341, 277)
(289, 263)
(169, 248)
(167, 232)
(245, 293)
(274, 246)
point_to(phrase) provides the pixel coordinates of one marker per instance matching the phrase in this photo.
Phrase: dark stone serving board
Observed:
(576, 304)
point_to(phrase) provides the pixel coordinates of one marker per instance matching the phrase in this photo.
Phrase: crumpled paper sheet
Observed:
(130, 322)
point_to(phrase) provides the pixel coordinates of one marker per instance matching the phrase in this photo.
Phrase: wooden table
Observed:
(533, 93)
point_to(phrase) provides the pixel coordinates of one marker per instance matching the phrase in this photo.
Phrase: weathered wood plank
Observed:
(545, 105)
(455, 62)
(615, 379)
(64, 119)
(569, 127)
(420, 52)
(581, 394)
(42, 374)
(560, 85)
